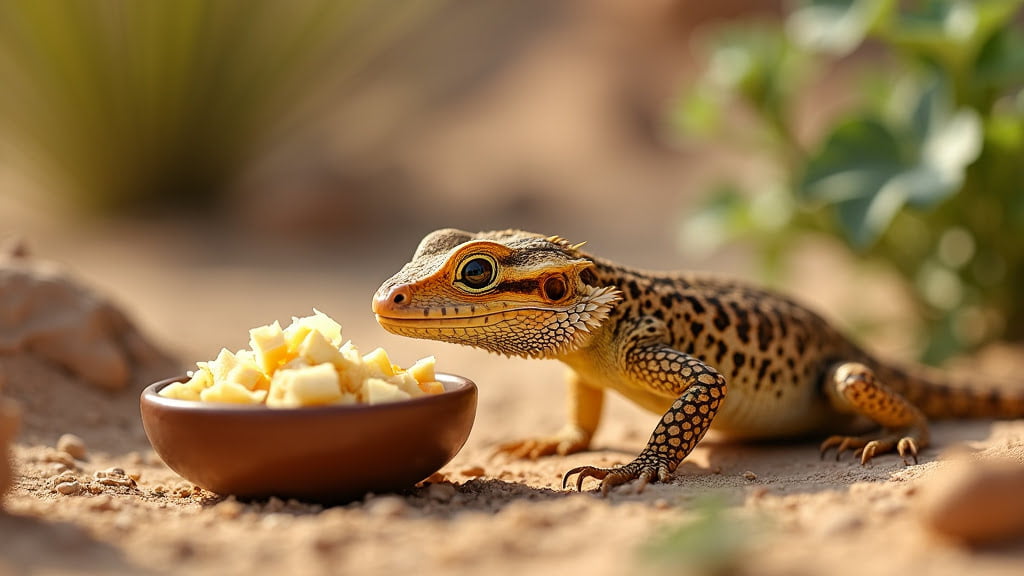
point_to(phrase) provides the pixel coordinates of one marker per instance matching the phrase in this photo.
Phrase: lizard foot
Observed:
(568, 440)
(870, 445)
(647, 468)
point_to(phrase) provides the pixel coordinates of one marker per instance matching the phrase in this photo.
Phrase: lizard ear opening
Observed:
(555, 288)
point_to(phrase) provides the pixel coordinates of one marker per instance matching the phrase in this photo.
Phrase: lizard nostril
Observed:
(399, 295)
(395, 298)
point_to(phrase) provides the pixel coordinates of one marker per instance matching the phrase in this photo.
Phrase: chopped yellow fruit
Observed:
(323, 324)
(294, 336)
(315, 349)
(304, 364)
(232, 392)
(269, 346)
(406, 383)
(222, 365)
(379, 391)
(249, 376)
(180, 391)
(378, 362)
(308, 386)
(432, 387)
(423, 369)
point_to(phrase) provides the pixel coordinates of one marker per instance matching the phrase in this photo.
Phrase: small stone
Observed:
(114, 476)
(748, 475)
(976, 502)
(69, 488)
(63, 477)
(662, 504)
(73, 446)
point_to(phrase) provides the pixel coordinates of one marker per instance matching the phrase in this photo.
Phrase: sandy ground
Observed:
(763, 509)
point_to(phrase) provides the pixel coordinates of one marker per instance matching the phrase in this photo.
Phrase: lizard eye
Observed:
(477, 273)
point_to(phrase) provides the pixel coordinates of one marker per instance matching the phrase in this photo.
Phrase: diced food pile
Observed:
(305, 364)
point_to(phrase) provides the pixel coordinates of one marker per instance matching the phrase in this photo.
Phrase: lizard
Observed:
(701, 350)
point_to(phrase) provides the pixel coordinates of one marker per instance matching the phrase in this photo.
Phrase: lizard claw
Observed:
(867, 447)
(645, 469)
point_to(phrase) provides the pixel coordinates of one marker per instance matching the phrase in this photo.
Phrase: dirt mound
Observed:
(70, 358)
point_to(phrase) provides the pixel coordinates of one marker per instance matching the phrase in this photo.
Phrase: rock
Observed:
(976, 502)
(47, 313)
(73, 446)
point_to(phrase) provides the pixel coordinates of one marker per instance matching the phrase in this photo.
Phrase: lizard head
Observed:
(510, 292)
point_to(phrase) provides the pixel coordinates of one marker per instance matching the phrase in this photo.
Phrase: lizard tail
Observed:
(941, 396)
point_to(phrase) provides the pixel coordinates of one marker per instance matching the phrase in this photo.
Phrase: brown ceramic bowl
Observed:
(324, 453)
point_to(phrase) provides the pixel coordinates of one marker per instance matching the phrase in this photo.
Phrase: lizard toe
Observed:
(907, 446)
(645, 469)
(582, 473)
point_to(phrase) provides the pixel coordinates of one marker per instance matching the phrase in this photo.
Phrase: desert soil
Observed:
(747, 509)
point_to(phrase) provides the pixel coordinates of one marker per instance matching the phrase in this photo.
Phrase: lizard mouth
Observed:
(427, 322)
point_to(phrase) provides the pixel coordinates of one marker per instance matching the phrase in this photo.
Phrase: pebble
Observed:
(750, 475)
(976, 502)
(73, 446)
(69, 488)
(114, 476)
(63, 477)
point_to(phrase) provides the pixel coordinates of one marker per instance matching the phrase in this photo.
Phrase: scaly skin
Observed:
(702, 351)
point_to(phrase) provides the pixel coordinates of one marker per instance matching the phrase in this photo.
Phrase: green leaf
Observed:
(756, 62)
(859, 156)
(1000, 64)
(950, 31)
(834, 26)
(871, 168)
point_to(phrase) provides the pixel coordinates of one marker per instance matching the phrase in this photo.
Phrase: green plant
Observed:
(127, 105)
(924, 168)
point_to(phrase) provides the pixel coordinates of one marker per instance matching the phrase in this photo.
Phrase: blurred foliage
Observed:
(923, 170)
(132, 105)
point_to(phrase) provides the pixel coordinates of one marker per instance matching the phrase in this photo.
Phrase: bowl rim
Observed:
(460, 386)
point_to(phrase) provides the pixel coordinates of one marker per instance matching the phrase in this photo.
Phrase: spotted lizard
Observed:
(702, 351)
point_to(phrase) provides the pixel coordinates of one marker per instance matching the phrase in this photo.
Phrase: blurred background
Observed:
(247, 158)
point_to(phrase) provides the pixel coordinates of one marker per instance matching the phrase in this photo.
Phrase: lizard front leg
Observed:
(853, 388)
(584, 404)
(647, 361)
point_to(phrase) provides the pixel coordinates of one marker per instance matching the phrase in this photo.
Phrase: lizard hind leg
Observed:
(853, 388)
